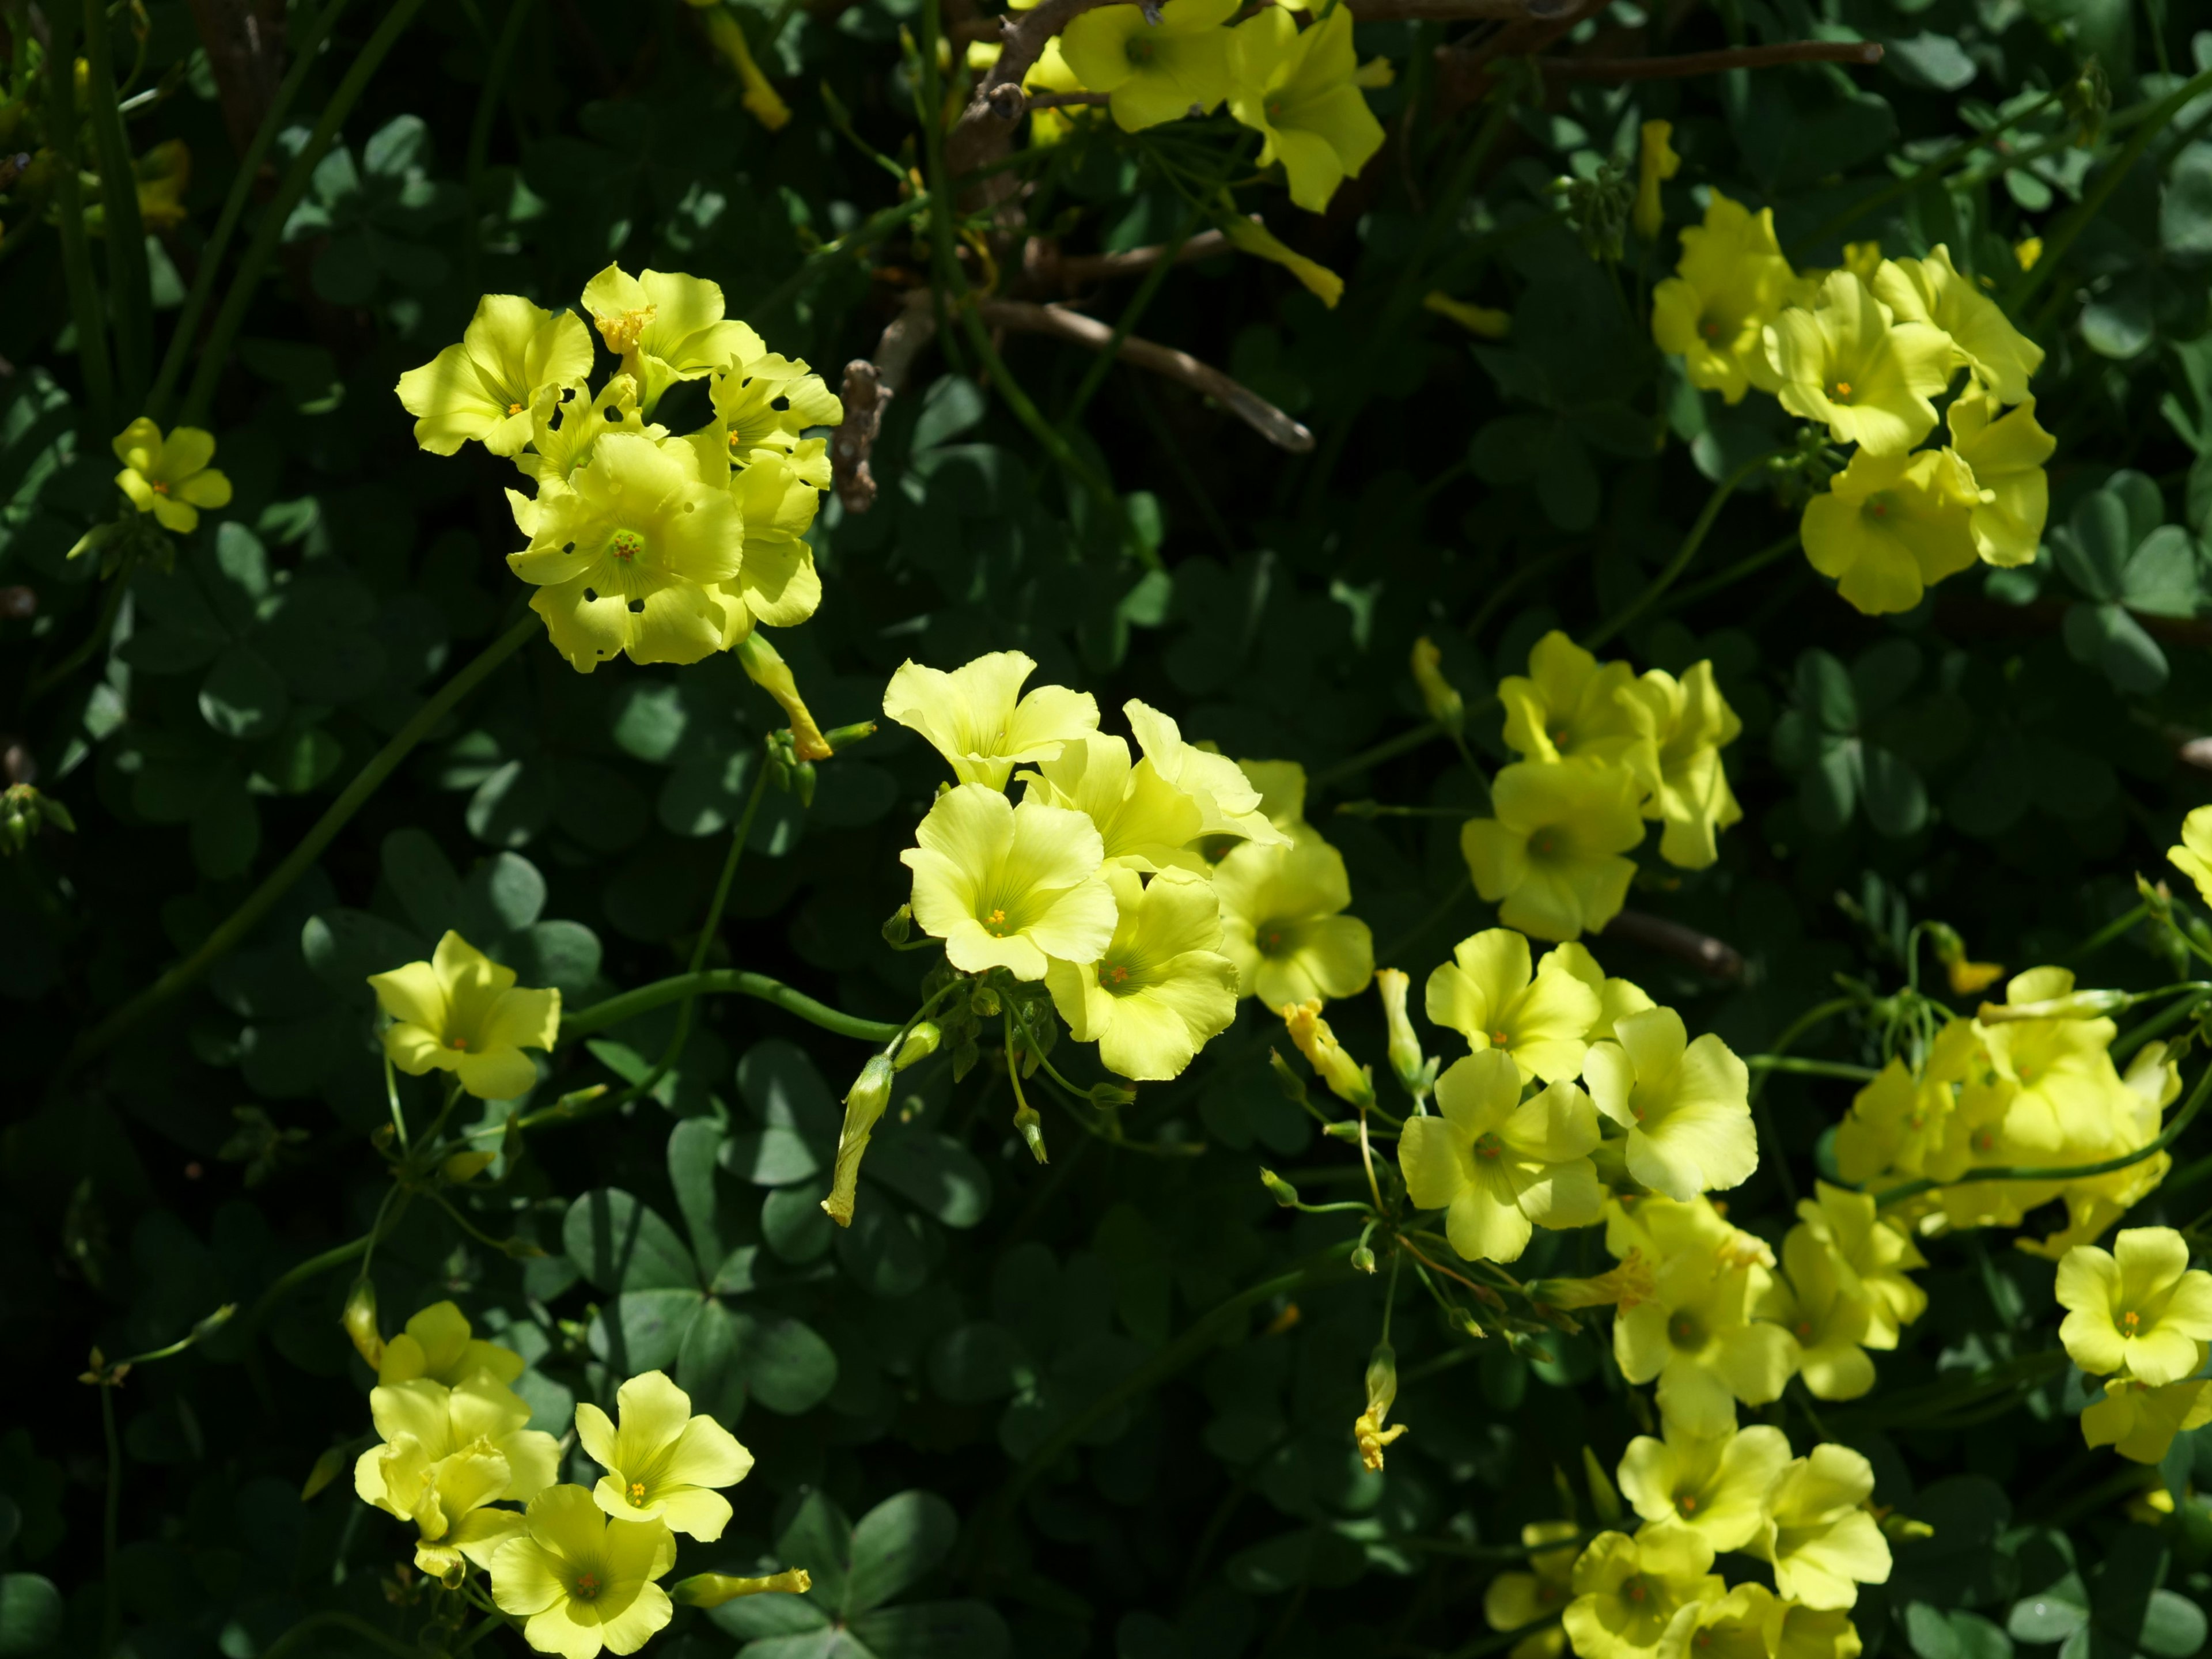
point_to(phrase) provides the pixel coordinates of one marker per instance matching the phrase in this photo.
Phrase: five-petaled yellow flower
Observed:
(662, 1463)
(1551, 858)
(169, 478)
(1486, 993)
(1297, 89)
(1686, 1105)
(487, 387)
(1152, 70)
(1713, 313)
(1850, 365)
(583, 1581)
(437, 1344)
(462, 1012)
(1161, 990)
(977, 718)
(1282, 923)
(1697, 1338)
(1499, 1167)
(1817, 1534)
(1716, 1484)
(1891, 526)
(1629, 1590)
(2139, 1308)
(1008, 886)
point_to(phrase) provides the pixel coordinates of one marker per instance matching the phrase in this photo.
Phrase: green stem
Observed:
(1203, 1334)
(1388, 749)
(818, 264)
(101, 627)
(2085, 211)
(1765, 1119)
(295, 1640)
(305, 47)
(87, 309)
(110, 1606)
(1810, 1067)
(1912, 180)
(502, 55)
(313, 1266)
(1691, 542)
(129, 291)
(630, 1004)
(240, 922)
(2194, 1104)
(216, 354)
(1749, 566)
(2112, 930)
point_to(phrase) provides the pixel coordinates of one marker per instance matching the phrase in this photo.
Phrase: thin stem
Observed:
(2116, 928)
(214, 355)
(110, 1606)
(502, 55)
(305, 46)
(1765, 1119)
(630, 1004)
(296, 1639)
(87, 309)
(240, 922)
(1751, 565)
(1810, 1067)
(313, 1266)
(104, 624)
(1666, 579)
(817, 264)
(130, 290)
(1388, 749)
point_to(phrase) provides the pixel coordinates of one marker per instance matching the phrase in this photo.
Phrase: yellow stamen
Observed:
(637, 1493)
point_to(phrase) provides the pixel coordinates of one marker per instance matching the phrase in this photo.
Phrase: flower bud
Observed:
(1112, 1097)
(1416, 1074)
(802, 783)
(1363, 1259)
(899, 926)
(1367, 1430)
(768, 670)
(360, 1322)
(1627, 1285)
(1346, 1078)
(711, 1590)
(1528, 1347)
(1289, 1081)
(1481, 321)
(1277, 1188)
(2077, 1005)
(1966, 977)
(462, 1167)
(1603, 1499)
(984, 1002)
(921, 1043)
(1445, 706)
(864, 1105)
(841, 738)
(1030, 1127)
(327, 1469)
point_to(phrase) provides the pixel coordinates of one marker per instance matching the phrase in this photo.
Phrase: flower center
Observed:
(1879, 506)
(1685, 1331)
(1488, 1145)
(623, 333)
(587, 1586)
(1141, 51)
(1687, 1502)
(628, 545)
(1985, 1140)
(1545, 843)
(1842, 389)
(2130, 1322)
(637, 1494)
(456, 1042)
(514, 409)
(1499, 1040)
(1274, 108)
(158, 487)
(995, 924)
(1804, 1329)
(1636, 1591)
(1709, 329)
(1271, 940)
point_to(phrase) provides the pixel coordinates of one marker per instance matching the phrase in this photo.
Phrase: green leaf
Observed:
(1959, 1563)
(710, 1364)
(226, 830)
(895, 1546)
(1882, 676)
(692, 1145)
(512, 806)
(644, 1330)
(819, 1538)
(622, 1245)
(2094, 551)
(30, 1613)
(933, 1172)
(2185, 208)
(509, 890)
(953, 404)
(563, 954)
(935, 1630)
(1828, 790)
(1826, 692)
(2174, 1626)
(2161, 578)
(792, 1370)
(793, 1223)
(825, 1644)
(2106, 638)
(884, 1251)
(2052, 1614)
(974, 1364)
(242, 697)
(423, 880)
(770, 1615)
(706, 793)
(649, 720)
(769, 1158)
(784, 1090)
(343, 948)
(1933, 63)
(1896, 799)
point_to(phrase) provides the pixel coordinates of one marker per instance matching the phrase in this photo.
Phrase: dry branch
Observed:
(870, 385)
(1671, 938)
(1857, 53)
(1043, 263)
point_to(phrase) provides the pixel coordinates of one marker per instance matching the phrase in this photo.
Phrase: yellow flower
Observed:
(1250, 236)
(2140, 1422)
(437, 1344)
(582, 1581)
(1282, 923)
(1661, 1229)
(1686, 723)
(486, 388)
(169, 478)
(1297, 90)
(1551, 859)
(665, 327)
(1697, 1338)
(972, 716)
(1152, 71)
(1486, 994)
(1367, 1431)
(2068, 1093)
(1716, 1484)
(1615, 996)
(2139, 1308)
(761, 99)
(1347, 1080)
(1569, 704)
(1656, 162)
(163, 173)
(1499, 1167)
(1621, 1287)
(1228, 802)
(447, 1454)
(2027, 250)
(1745, 1623)
(764, 404)
(1822, 1306)
(462, 1012)
(1870, 1256)
(1713, 313)
(1049, 74)
(1687, 1106)
(777, 582)
(1848, 366)
(2193, 857)
(1813, 1633)
(1282, 788)
(1415, 1071)
(1629, 1590)
(1008, 886)
(1513, 1601)
(1891, 526)
(662, 1463)
(1817, 1534)
(1161, 990)
(564, 426)
(623, 558)
(2005, 451)
(1932, 291)
(1144, 821)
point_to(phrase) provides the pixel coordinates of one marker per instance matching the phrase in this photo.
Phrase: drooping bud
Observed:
(864, 1105)
(1112, 1097)
(1656, 162)
(1346, 1078)
(327, 1469)
(900, 925)
(761, 99)
(1484, 322)
(768, 670)
(984, 1002)
(360, 1320)
(1603, 1499)
(1625, 1286)
(1445, 705)
(462, 1167)
(1966, 977)
(921, 1043)
(1030, 1127)
(1367, 1430)
(1416, 1074)
(711, 1590)
(1278, 1190)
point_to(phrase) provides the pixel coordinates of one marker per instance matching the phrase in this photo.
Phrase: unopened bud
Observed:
(1030, 1127)
(1367, 1431)
(1289, 1081)
(1603, 1499)
(1442, 699)
(711, 1590)
(768, 670)
(901, 924)
(802, 782)
(1277, 1188)
(1112, 1097)
(841, 738)
(2076, 1004)
(360, 1320)
(465, 1166)
(921, 1043)
(863, 1106)
(1363, 1259)
(327, 1469)
(1416, 1074)
(2156, 899)
(1522, 1343)
(1346, 1078)
(984, 1002)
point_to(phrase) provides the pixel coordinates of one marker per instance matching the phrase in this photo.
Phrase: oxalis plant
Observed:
(857, 829)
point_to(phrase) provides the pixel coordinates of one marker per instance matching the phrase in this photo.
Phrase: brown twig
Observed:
(985, 131)
(1858, 53)
(1066, 100)
(870, 385)
(1255, 411)
(1043, 263)
(1671, 938)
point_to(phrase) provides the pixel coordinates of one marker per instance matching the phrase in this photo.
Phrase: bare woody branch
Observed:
(1045, 264)
(1255, 411)
(1856, 53)
(1671, 938)
(870, 385)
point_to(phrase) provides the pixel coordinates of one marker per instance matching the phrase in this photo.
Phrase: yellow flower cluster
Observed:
(1148, 893)
(2139, 1316)
(644, 544)
(580, 1566)
(1864, 352)
(1601, 751)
